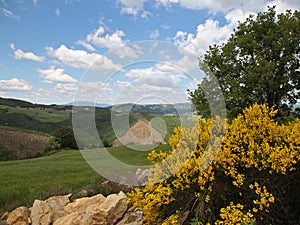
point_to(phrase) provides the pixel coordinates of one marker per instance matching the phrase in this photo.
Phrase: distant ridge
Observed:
(176, 109)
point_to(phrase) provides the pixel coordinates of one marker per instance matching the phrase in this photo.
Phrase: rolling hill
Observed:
(38, 119)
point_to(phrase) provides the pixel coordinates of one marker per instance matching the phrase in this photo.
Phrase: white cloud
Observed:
(111, 41)
(15, 84)
(86, 45)
(155, 34)
(19, 54)
(66, 88)
(122, 84)
(50, 75)
(206, 34)
(160, 75)
(215, 6)
(82, 59)
(135, 8)
(57, 12)
(8, 14)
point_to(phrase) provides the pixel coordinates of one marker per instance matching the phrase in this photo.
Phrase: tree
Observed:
(258, 64)
(64, 136)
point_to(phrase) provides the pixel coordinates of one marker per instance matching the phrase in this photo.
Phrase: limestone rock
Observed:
(20, 216)
(57, 205)
(80, 205)
(70, 219)
(132, 218)
(112, 209)
(41, 213)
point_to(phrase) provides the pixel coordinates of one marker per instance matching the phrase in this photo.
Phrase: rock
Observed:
(96, 210)
(41, 213)
(20, 216)
(57, 205)
(70, 219)
(80, 205)
(132, 218)
(112, 209)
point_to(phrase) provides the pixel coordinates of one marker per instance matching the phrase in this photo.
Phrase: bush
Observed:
(65, 138)
(6, 154)
(252, 178)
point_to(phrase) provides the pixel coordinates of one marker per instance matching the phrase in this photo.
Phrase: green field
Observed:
(22, 181)
(51, 115)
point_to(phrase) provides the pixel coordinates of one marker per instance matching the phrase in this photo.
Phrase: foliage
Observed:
(247, 176)
(6, 154)
(258, 64)
(65, 138)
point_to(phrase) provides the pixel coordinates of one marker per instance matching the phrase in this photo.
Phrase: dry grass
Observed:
(23, 144)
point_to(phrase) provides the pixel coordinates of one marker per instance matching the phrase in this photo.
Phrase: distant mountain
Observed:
(89, 104)
(177, 109)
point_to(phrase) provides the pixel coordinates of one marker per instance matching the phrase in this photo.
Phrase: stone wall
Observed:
(95, 210)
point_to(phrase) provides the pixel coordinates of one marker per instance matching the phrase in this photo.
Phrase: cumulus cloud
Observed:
(8, 13)
(55, 75)
(20, 54)
(112, 41)
(15, 84)
(206, 34)
(82, 59)
(86, 45)
(160, 75)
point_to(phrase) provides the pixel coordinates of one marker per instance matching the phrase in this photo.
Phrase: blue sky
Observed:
(99, 50)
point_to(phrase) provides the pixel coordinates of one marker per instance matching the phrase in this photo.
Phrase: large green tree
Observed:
(64, 136)
(259, 63)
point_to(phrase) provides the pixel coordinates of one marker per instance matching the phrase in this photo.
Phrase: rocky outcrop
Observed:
(58, 210)
(141, 133)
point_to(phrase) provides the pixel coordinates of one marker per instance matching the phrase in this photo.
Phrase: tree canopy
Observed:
(258, 64)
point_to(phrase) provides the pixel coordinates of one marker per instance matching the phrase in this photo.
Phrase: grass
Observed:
(23, 181)
(136, 156)
(52, 115)
(29, 144)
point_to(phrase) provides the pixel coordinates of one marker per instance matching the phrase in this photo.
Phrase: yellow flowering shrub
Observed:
(224, 177)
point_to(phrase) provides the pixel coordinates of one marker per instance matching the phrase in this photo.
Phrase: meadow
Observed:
(64, 172)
